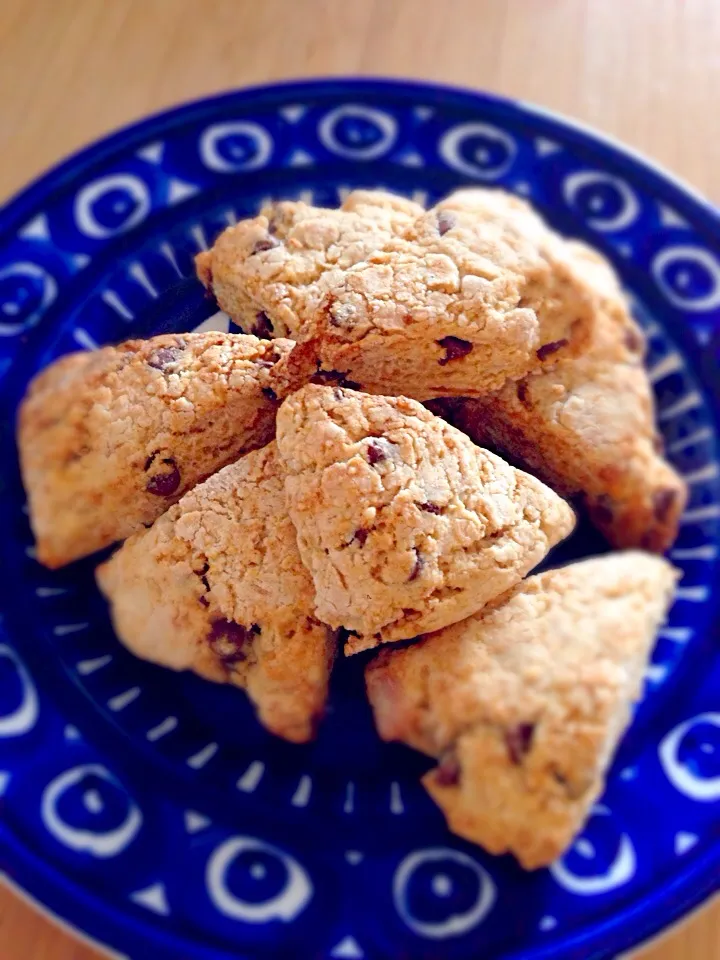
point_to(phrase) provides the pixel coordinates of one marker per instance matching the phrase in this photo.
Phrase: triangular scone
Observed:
(586, 426)
(217, 586)
(269, 273)
(477, 291)
(405, 525)
(109, 439)
(525, 702)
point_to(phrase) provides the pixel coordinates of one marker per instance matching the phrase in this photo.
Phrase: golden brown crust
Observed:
(108, 440)
(217, 586)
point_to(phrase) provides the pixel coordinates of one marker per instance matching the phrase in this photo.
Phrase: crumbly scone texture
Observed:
(525, 702)
(405, 525)
(109, 439)
(586, 426)
(476, 291)
(217, 586)
(270, 272)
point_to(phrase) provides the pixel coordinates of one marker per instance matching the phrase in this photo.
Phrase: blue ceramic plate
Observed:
(148, 809)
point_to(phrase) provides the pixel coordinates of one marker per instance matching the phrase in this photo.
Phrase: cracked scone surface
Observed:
(525, 702)
(109, 439)
(587, 427)
(405, 525)
(269, 272)
(217, 586)
(476, 291)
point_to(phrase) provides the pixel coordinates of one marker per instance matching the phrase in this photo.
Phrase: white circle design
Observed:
(585, 178)
(705, 790)
(286, 905)
(450, 150)
(386, 125)
(695, 255)
(457, 924)
(620, 871)
(10, 308)
(102, 845)
(85, 216)
(24, 718)
(213, 136)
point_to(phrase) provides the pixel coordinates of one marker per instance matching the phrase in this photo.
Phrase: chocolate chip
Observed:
(361, 536)
(634, 340)
(522, 390)
(445, 221)
(447, 773)
(518, 741)
(326, 378)
(164, 484)
(165, 356)
(262, 327)
(430, 507)
(269, 393)
(663, 502)
(266, 243)
(548, 349)
(454, 348)
(375, 453)
(227, 639)
(204, 601)
(417, 567)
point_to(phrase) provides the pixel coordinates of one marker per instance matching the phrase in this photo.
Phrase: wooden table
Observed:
(646, 71)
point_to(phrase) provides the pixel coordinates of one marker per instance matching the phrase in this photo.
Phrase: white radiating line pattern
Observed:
(124, 699)
(343, 193)
(656, 672)
(690, 401)
(702, 474)
(671, 363)
(707, 552)
(676, 634)
(115, 303)
(306, 196)
(349, 804)
(137, 272)
(691, 440)
(31, 552)
(50, 592)
(86, 667)
(421, 197)
(63, 629)
(693, 594)
(396, 801)
(252, 777)
(162, 729)
(83, 338)
(231, 216)
(198, 235)
(301, 797)
(711, 511)
(198, 760)
(169, 253)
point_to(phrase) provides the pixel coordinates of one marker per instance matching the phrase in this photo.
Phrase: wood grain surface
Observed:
(644, 71)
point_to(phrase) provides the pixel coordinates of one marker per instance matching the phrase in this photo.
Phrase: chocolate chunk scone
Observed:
(475, 292)
(269, 273)
(217, 586)
(586, 425)
(109, 439)
(404, 524)
(525, 702)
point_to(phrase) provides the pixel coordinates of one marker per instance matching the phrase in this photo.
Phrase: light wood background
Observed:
(645, 71)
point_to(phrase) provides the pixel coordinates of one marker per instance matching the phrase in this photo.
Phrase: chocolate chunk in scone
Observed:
(269, 273)
(586, 426)
(523, 704)
(217, 586)
(109, 439)
(405, 525)
(475, 292)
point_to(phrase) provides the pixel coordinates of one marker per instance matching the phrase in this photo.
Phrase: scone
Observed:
(405, 525)
(525, 702)
(475, 292)
(217, 586)
(586, 426)
(268, 273)
(109, 439)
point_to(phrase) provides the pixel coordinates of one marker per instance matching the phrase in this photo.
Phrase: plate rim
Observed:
(684, 890)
